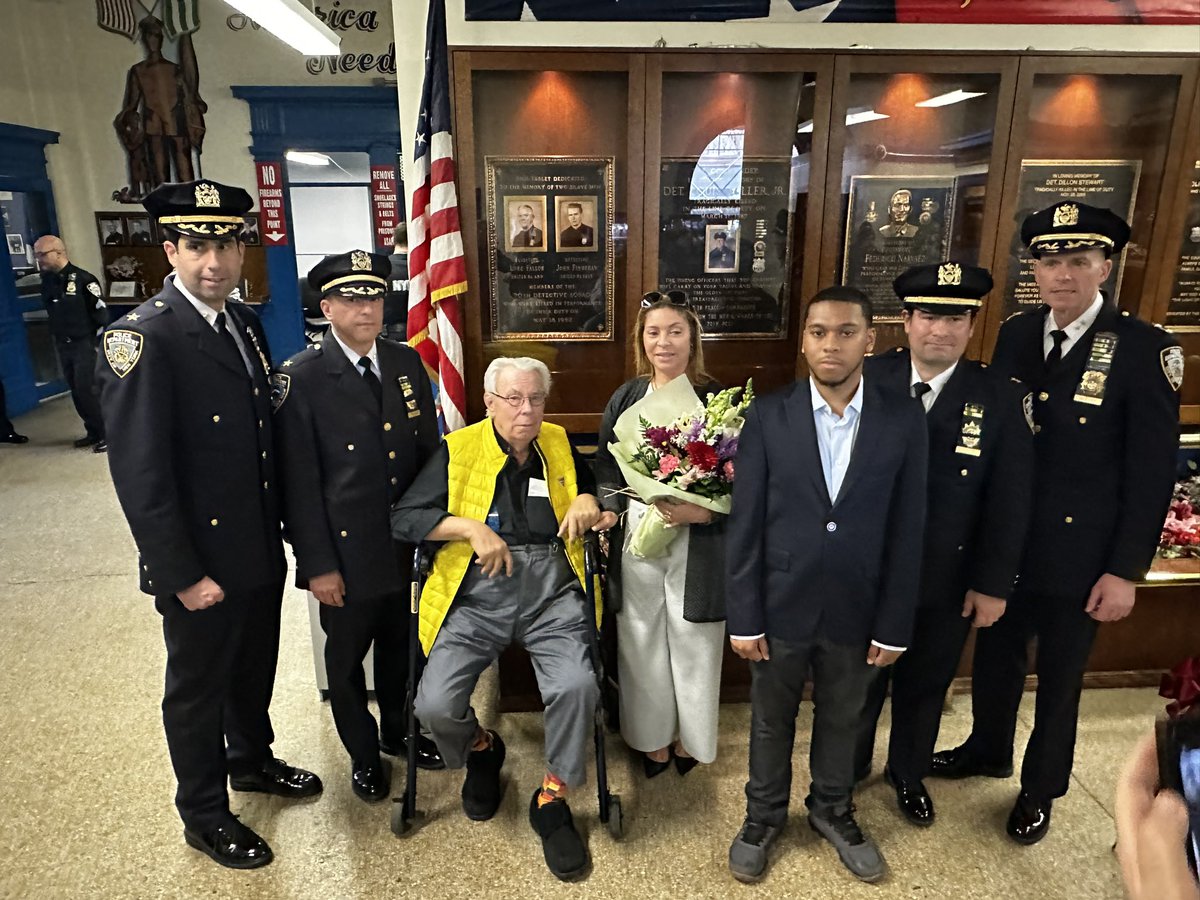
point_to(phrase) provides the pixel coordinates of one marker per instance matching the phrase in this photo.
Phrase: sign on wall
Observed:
(384, 207)
(273, 225)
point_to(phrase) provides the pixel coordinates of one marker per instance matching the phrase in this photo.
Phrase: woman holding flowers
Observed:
(670, 609)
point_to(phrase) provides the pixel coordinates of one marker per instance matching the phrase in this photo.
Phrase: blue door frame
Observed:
(22, 169)
(324, 120)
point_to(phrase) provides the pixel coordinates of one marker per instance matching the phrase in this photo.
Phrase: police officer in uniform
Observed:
(184, 390)
(74, 302)
(355, 422)
(720, 256)
(980, 493)
(1105, 403)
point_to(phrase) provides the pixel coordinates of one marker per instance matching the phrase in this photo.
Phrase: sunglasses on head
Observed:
(675, 298)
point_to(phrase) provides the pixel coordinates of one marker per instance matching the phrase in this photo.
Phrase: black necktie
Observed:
(227, 337)
(1055, 354)
(920, 389)
(371, 380)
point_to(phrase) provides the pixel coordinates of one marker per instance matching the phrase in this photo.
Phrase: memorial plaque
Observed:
(1108, 183)
(1183, 312)
(893, 223)
(550, 247)
(724, 237)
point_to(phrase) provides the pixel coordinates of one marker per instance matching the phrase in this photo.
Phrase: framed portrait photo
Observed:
(721, 247)
(524, 223)
(110, 227)
(575, 219)
(16, 245)
(138, 231)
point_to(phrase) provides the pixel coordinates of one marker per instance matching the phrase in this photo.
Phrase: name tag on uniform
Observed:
(538, 488)
(971, 435)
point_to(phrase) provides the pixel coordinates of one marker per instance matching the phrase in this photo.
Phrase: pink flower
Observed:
(727, 470)
(668, 464)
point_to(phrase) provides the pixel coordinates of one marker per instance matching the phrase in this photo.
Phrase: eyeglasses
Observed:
(516, 401)
(675, 298)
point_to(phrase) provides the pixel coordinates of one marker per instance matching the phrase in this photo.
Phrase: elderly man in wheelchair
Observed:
(509, 500)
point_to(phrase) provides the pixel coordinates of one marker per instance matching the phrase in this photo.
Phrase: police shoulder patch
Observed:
(1171, 359)
(280, 386)
(94, 289)
(122, 350)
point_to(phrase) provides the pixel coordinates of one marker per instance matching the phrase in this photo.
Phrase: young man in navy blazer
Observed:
(823, 562)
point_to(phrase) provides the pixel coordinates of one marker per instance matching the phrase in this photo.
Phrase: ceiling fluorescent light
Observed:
(866, 115)
(292, 23)
(956, 96)
(308, 159)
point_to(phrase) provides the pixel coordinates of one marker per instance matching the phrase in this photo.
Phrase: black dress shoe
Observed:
(960, 763)
(652, 768)
(912, 798)
(231, 844)
(13, 438)
(278, 778)
(87, 440)
(1029, 819)
(428, 756)
(685, 764)
(372, 782)
(100, 447)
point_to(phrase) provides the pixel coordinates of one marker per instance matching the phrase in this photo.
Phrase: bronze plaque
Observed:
(1183, 312)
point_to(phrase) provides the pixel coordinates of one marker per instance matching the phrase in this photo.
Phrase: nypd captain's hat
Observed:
(202, 209)
(354, 274)
(945, 289)
(1069, 225)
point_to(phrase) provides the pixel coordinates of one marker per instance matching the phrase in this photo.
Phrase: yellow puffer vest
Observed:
(475, 462)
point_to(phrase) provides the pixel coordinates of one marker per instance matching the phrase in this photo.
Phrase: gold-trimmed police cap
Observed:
(203, 209)
(1069, 226)
(946, 289)
(354, 274)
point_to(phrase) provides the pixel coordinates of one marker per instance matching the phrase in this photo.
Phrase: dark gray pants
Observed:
(840, 680)
(78, 359)
(540, 606)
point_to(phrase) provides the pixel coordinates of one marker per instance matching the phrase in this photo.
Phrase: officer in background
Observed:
(184, 388)
(355, 422)
(74, 302)
(1105, 403)
(980, 493)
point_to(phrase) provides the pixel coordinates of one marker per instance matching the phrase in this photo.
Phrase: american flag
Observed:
(436, 266)
(117, 16)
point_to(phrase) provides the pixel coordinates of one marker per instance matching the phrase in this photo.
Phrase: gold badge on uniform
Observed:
(280, 385)
(207, 195)
(405, 385)
(123, 349)
(1171, 359)
(949, 273)
(360, 261)
(1027, 406)
(71, 285)
(1065, 215)
(971, 432)
(1095, 375)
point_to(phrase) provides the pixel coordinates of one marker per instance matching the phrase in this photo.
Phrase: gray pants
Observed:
(840, 680)
(540, 606)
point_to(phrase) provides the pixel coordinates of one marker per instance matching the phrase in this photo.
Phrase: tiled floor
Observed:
(87, 788)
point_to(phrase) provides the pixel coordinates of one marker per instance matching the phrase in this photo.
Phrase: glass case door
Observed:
(735, 156)
(916, 163)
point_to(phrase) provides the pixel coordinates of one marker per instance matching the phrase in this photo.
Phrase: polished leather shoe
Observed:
(428, 756)
(13, 438)
(685, 764)
(912, 798)
(1029, 819)
(278, 778)
(87, 441)
(100, 447)
(372, 782)
(231, 844)
(652, 768)
(960, 763)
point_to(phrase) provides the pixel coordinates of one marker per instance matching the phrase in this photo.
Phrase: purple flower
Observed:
(659, 437)
(693, 431)
(727, 446)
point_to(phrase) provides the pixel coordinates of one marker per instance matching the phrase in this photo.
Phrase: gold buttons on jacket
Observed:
(391, 454)
(1043, 396)
(256, 392)
(394, 479)
(349, 446)
(264, 454)
(1037, 429)
(963, 473)
(344, 534)
(1069, 520)
(213, 522)
(387, 426)
(260, 423)
(216, 418)
(266, 486)
(1083, 420)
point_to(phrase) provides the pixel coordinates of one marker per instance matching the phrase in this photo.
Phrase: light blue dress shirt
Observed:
(835, 436)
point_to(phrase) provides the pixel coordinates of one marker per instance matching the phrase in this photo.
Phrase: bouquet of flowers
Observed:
(670, 445)
(1181, 532)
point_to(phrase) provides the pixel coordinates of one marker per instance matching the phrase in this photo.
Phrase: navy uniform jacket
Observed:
(343, 463)
(798, 565)
(1105, 471)
(74, 303)
(979, 505)
(583, 236)
(190, 446)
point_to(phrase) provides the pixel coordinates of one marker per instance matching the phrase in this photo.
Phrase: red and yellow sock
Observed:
(552, 789)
